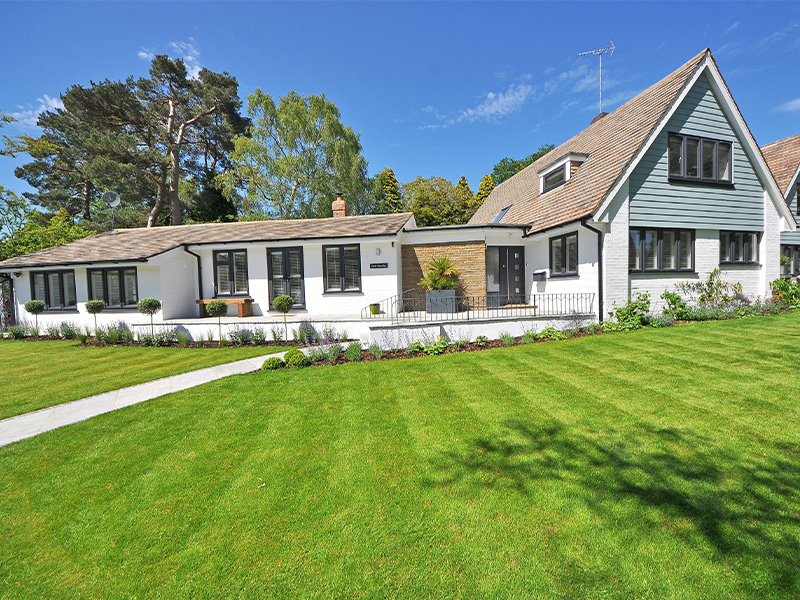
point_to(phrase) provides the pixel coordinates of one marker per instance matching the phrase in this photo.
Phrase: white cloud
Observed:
(190, 54)
(732, 27)
(146, 54)
(498, 104)
(28, 115)
(789, 106)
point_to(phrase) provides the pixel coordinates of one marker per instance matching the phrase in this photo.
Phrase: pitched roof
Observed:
(611, 144)
(783, 158)
(140, 244)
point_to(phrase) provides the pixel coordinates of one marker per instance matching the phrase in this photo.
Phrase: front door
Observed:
(505, 275)
(286, 274)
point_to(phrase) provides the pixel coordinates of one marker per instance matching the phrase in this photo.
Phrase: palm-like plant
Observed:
(441, 274)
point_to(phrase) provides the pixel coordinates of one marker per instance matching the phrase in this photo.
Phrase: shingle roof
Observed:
(140, 244)
(611, 143)
(783, 159)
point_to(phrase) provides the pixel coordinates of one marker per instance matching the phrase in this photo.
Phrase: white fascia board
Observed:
(649, 141)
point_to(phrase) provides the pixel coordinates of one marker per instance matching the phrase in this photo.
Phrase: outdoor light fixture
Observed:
(17, 274)
(378, 251)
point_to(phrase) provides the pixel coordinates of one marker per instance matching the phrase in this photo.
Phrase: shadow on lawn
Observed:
(746, 506)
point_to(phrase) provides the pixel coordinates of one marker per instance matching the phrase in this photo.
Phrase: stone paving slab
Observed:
(30, 424)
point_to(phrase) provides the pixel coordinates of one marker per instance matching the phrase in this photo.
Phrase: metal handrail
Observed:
(410, 307)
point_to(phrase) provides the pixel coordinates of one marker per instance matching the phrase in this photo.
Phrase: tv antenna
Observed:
(600, 52)
(111, 200)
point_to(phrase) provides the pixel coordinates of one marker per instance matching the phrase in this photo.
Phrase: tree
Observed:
(297, 158)
(209, 203)
(35, 307)
(436, 201)
(94, 307)
(192, 120)
(484, 189)
(388, 198)
(149, 306)
(13, 212)
(35, 235)
(283, 304)
(217, 308)
(510, 166)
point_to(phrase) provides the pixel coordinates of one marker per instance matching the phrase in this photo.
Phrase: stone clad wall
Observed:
(469, 257)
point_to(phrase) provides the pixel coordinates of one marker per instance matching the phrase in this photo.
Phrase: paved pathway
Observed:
(33, 423)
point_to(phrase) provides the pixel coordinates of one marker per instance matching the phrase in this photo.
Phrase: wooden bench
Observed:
(245, 305)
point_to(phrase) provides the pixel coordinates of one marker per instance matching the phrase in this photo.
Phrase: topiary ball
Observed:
(273, 363)
(149, 306)
(283, 304)
(95, 306)
(35, 307)
(296, 359)
(217, 308)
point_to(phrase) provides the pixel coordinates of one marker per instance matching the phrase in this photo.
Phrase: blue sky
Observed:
(435, 88)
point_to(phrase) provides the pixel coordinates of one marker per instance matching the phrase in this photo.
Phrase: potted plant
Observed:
(440, 283)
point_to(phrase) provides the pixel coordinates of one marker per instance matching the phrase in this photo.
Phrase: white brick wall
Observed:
(615, 253)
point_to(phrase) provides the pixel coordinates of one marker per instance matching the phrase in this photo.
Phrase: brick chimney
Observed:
(339, 207)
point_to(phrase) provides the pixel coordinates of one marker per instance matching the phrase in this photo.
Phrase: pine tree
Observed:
(392, 199)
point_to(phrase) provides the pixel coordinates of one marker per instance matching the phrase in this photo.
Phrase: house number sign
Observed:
(378, 265)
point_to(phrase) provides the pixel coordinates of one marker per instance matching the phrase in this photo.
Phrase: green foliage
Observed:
(676, 307)
(551, 333)
(388, 197)
(217, 308)
(786, 291)
(415, 348)
(273, 363)
(305, 333)
(35, 307)
(332, 352)
(437, 347)
(14, 211)
(183, 338)
(316, 354)
(507, 167)
(507, 339)
(376, 351)
(296, 157)
(714, 292)
(149, 306)
(209, 204)
(168, 337)
(481, 341)
(634, 314)
(69, 331)
(260, 336)
(529, 337)
(436, 201)
(17, 332)
(83, 336)
(353, 352)
(241, 336)
(95, 306)
(440, 274)
(485, 188)
(283, 304)
(665, 319)
(34, 235)
(53, 332)
(296, 359)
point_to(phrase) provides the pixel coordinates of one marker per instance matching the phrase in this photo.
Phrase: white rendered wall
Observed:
(177, 284)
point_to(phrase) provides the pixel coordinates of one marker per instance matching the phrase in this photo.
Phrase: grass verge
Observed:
(36, 375)
(653, 464)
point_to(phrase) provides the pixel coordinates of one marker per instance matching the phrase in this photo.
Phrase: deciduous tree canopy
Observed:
(511, 166)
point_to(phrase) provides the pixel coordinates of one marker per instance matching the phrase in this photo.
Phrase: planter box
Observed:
(440, 301)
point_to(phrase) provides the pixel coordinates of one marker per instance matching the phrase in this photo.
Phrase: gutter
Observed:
(599, 267)
(199, 270)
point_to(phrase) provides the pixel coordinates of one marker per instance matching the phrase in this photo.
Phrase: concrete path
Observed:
(33, 423)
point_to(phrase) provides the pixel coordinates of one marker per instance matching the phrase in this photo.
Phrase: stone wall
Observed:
(469, 258)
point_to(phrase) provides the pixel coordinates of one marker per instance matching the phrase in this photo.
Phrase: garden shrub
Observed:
(316, 354)
(94, 307)
(69, 331)
(296, 359)
(786, 291)
(634, 314)
(113, 335)
(529, 337)
(277, 335)
(353, 352)
(415, 348)
(676, 307)
(665, 319)
(273, 363)
(17, 332)
(149, 306)
(714, 292)
(54, 332)
(507, 339)
(437, 347)
(35, 307)
(481, 341)
(240, 336)
(183, 338)
(259, 336)
(332, 352)
(283, 304)
(551, 333)
(376, 351)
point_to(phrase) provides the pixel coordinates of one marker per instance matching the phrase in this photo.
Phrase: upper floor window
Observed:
(792, 268)
(55, 288)
(738, 247)
(555, 178)
(230, 272)
(699, 159)
(118, 288)
(342, 268)
(564, 255)
(660, 250)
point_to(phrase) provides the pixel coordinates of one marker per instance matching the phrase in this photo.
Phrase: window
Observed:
(738, 247)
(230, 272)
(793, 268)
(117, 287)
(699, 159)
(555, 178)
(55, 288)
(286, 274)
(660, 250)
(564, 255)
(501, 214)
(342, 268)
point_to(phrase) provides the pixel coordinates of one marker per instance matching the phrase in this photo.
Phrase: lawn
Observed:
(654, 464)
(35, 375)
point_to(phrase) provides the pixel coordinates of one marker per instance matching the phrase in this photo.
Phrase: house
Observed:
(663, 190)
(783, 158)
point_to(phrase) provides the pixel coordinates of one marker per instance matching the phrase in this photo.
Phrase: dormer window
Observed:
(555, 178)
(559, 172)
